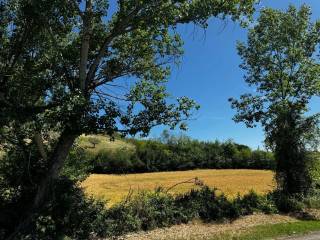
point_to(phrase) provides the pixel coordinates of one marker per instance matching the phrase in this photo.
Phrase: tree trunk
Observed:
(57, 159)
(56, 163)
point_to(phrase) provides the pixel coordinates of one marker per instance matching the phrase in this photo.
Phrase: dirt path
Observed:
(202, 231)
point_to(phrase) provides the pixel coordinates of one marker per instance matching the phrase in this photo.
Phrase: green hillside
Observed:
(98, 143)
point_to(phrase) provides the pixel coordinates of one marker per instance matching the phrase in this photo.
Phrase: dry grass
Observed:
(105, 144)
(115, 187)
(201, 231)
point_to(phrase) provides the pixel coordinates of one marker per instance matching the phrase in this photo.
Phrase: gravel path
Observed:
(202, 231)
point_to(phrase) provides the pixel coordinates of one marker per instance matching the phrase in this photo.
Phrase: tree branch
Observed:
(86, 34)
(39, 142)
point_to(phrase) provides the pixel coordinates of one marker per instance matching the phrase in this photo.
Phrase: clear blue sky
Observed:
(210, 74)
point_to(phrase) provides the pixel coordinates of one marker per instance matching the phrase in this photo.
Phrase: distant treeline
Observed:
(170, 153)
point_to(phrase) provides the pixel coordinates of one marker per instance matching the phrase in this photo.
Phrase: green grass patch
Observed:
(272, 231)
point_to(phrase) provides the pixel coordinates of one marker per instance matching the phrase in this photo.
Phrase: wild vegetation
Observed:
(145, 211)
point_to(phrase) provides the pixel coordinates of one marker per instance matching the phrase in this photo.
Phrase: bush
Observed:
(312, 201)
(155, 209)
(69, 213)
(206, 205)
(146, 211)
(252, 202)
(149, 210)
(94, 141)
(286, 203)
(119, 220)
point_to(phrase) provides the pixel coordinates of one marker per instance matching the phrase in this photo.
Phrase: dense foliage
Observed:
(149, 210)
(70, 213)
(173, 154)
(281, 61)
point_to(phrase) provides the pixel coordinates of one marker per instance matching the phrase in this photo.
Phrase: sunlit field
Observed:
(114, 188)
(103, 143)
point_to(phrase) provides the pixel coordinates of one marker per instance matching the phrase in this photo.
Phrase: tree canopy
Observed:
(282, 67)
(60, 59)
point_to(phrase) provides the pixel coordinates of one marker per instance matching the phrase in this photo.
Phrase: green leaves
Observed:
(280, 58)
(282, 65)
(41, 43)
(131, 50)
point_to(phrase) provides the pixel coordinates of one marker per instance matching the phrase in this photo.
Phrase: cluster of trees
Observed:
(180, 153)
(62, 64)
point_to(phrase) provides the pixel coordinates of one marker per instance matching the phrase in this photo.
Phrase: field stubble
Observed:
(115, 188)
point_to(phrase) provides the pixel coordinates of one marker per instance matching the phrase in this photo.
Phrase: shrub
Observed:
(312, 201)
(119, 220)
(286, 203)
(149, 210)
(94, 141)
(252, 202)
(315, 170)
(69, 213)
(155, 209)
(206, 204)
(146, 211)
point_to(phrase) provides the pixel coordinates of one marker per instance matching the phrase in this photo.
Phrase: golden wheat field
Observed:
(114, 188)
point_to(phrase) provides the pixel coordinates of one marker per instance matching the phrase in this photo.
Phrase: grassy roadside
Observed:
(259, 232)
(272, 231)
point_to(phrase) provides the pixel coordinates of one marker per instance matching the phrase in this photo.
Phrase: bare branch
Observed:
(109, 95)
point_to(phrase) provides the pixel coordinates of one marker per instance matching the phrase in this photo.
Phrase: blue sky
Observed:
(210, 74)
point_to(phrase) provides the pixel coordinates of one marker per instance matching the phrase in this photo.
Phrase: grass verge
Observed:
(272, 231)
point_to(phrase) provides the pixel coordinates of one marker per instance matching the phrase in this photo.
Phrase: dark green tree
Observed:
(282, 66)
(69, 67)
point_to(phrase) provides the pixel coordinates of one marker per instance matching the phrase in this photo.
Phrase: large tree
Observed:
(69, 67)
(282, 68)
